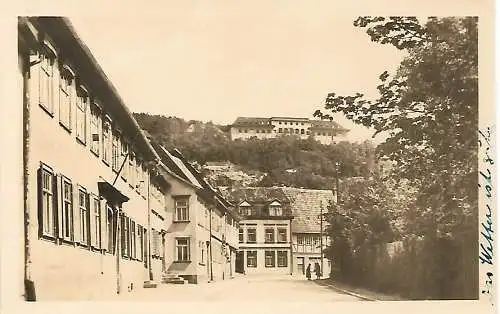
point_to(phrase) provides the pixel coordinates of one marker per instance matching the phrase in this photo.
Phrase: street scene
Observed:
(268, 153)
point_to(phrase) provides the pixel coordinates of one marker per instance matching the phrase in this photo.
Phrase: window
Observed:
(182, 247)
(67, 210)
(300, 239)
(106, 140)
(140, 240)
(249, 211)
(83, 206)
(65, 96)
(182, 209)
(302, 131)
(282, 258)
(282, 235)
(138, 177)
(270, 259)
(115, 159)
(201, 245)
(155, 245)
(252, 259)
(46, 201)
(286, 123)
(46, 82)
(240, 236)
(95, 235)
(275, 211)
(81, 115)
(125, 235)
(131, 172)
(110, 230)
(308, 240)
(316, 241)
(251, 235)
(133, 238)
(95, 120)
(239, 131)
(269, 235)
(297, 131)
(123, 156)
(280, 130)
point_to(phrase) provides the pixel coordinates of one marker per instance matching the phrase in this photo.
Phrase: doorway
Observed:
(300, 265)
(240, 259)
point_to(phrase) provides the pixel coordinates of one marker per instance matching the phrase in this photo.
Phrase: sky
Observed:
(209, 62)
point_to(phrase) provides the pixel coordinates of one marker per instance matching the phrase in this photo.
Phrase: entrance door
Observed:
(240, 259)
(300, 265)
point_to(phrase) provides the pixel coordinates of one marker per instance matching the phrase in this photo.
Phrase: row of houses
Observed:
(107, 210)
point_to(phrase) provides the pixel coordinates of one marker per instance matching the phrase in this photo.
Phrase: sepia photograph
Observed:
(264, 152)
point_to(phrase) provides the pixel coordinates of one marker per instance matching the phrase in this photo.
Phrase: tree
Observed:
(429, 108)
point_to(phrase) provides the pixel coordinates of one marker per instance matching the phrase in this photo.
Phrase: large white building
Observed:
(326, 132)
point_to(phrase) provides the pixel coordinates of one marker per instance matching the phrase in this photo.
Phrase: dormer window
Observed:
(246, 208)
(275, 209)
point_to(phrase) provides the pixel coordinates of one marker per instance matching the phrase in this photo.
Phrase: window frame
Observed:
(67, 219)
(95, 126)
(273, 238)
(177, 209)
(66, 82)
(106, 140)
(284, 232)
(251, 255)
(185, 248)
(284, 254)
(82, 105)
(241, 235)
(47, 57)
(267, 254)
(83, 217)
(96, 215)
(50, 214)
(254, 234)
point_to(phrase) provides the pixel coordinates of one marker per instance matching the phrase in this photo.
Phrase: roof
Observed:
(304, 204)
(62, 32)
(306, 207)
(259, 198)
(251, 121)
(316, 124)
(290, 118)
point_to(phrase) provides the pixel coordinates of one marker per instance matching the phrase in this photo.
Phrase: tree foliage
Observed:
(429, 108)
(286, 160)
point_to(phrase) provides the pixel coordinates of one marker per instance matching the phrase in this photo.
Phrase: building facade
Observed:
(326, 132)
(202, 228)
(281, 230)
(87, 172)
(265, 231)
(308, 241)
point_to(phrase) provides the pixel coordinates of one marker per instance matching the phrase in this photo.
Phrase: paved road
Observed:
(243, 288)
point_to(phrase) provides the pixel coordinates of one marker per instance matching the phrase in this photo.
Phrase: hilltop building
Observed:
(326, 132)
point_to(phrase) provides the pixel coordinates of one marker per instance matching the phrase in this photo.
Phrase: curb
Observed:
(364, 298)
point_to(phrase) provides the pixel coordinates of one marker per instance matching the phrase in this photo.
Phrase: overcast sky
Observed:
(207, 62)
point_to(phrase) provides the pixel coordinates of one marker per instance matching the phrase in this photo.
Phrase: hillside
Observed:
(279, 161)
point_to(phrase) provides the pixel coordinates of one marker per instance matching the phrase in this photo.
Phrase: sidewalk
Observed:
(361, 293)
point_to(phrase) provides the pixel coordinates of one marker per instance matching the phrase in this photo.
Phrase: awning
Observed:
(111, 193)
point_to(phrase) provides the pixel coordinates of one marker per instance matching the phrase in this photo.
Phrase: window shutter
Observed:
(104, 224)
(76, 214)
(122, 233)
(92, 224)
(60, 206)
(40, 201)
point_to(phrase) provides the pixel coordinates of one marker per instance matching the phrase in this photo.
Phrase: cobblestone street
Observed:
(260, 288)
